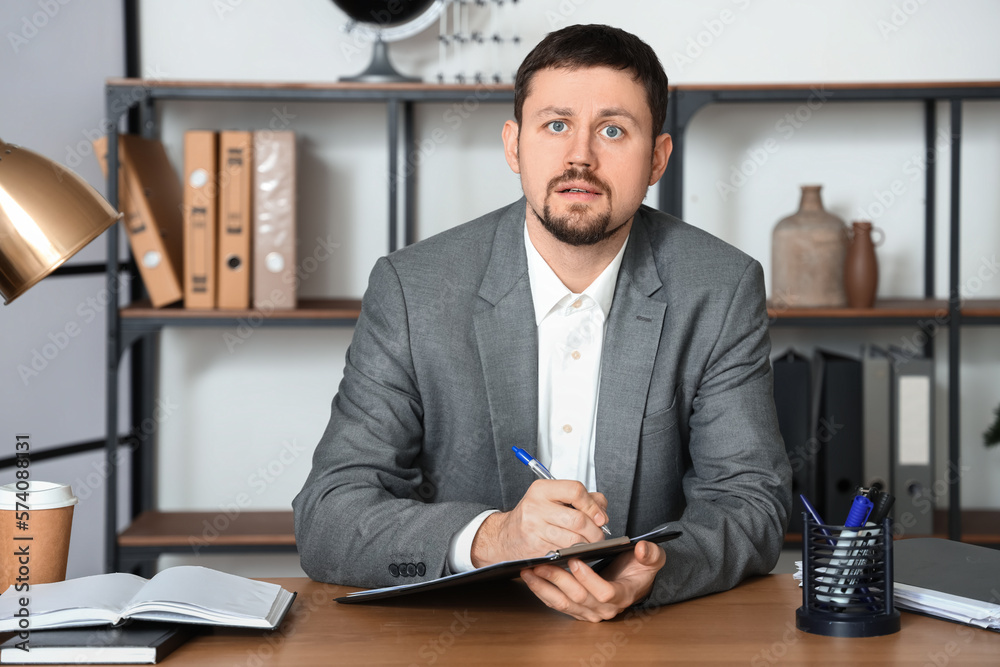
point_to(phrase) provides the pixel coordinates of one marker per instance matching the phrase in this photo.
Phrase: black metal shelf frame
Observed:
(124, 333)
(683, 106)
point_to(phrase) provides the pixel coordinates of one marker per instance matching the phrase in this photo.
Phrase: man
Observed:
(625, 349)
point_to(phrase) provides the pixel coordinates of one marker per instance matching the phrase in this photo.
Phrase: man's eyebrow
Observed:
(612, 112)
(608, 112)
(555, 111)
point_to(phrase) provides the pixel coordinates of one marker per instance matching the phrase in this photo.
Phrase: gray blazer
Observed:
(441, 380)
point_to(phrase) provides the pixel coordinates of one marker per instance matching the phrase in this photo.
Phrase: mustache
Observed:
(571, 175)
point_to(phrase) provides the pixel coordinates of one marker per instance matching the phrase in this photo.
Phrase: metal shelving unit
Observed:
(927, 314)
(153, 533)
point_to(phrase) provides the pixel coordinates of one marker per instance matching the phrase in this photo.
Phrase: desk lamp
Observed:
(47, 215)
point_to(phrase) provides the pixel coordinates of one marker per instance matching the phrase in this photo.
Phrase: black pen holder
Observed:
(847, 580)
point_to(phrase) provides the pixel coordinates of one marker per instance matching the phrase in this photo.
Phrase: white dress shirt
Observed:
(570, 341)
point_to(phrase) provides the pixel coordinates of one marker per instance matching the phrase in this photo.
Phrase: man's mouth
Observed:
(578, 189)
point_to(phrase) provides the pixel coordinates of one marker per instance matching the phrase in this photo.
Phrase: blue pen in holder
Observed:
(847, 580)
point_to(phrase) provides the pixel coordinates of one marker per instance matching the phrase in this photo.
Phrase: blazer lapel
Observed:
(630, 343)
(508, 349)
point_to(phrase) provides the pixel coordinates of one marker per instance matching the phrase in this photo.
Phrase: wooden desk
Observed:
(504, 624)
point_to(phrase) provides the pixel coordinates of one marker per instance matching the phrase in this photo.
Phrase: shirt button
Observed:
(577, 303)
(567, 428)
(576, 354)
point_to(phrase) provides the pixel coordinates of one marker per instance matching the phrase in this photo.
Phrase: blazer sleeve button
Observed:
(411, 570)
(421, 569)
(394, 570)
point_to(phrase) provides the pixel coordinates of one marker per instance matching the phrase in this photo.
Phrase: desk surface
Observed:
(503, 624)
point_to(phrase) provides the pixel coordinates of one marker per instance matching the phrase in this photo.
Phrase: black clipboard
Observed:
(603, 550)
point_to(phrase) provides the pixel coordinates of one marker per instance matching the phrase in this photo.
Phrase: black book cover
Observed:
(963, 570)
(132, 643)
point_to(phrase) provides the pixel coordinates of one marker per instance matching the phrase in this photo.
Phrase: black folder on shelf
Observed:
(510, 569)
(793, 404)
(876, 392)
(838, 432)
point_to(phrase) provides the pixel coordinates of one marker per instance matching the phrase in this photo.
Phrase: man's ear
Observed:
(662, 147)
(511, 131)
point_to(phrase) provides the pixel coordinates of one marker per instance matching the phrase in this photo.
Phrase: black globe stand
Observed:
(380, 70)
(847, 583)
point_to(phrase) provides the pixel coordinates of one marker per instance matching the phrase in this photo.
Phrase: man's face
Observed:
(584, 151)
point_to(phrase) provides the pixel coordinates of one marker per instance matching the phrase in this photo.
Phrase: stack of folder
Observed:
(952, 580)
(221, 237)
(851, 421)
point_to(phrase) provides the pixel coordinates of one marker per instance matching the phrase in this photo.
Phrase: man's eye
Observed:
(613, 132)
(557, 126)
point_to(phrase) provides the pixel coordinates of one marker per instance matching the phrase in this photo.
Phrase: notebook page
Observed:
(67, 600)
(203, 588)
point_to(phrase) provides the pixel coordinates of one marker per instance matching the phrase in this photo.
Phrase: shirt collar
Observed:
(547, 290)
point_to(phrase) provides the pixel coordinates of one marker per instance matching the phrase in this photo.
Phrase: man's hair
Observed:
(579, 46)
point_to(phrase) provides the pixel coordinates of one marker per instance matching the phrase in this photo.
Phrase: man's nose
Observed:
(581, 152)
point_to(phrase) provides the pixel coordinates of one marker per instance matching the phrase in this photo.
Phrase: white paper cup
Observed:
(34, 532)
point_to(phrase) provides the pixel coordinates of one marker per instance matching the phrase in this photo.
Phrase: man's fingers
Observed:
(564, 581)
(550, 537)
(597, 587)
(575, 495)
(650, 555)
(600, 499)
(549, 589)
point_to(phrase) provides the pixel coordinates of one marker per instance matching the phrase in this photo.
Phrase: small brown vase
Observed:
(861, 267)
(807, 256)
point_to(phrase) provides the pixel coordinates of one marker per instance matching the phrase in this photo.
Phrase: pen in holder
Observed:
(847, 580)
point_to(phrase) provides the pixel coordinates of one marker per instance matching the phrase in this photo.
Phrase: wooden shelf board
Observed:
(425, 86)
(153, 529)
(981, 308)
(351, 308)
(307, 309)
(311, 85)
(902, 308)
(843, 85)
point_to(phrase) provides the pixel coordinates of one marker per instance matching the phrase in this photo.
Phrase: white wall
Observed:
(54, 57)
(247, 419)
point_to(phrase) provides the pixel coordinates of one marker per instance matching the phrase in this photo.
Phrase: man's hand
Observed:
(586, 595)
(553, 514)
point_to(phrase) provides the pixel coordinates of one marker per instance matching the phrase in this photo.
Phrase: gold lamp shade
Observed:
(47, 214)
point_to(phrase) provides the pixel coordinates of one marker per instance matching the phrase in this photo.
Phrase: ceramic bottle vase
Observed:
(808, 249)
(861, 267)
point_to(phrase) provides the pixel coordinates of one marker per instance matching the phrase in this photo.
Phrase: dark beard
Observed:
(563, 229)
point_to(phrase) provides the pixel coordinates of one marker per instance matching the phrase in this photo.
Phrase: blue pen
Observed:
(847, 555)
(815, 517)
(541, 472)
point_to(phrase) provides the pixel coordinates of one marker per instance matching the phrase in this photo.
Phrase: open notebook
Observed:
(183, 594)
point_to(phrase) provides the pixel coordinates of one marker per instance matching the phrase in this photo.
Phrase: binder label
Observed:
(914, 420)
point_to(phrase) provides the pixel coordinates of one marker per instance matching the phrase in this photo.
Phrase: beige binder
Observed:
(200, 217)
(149, 194)
(235, 183)
(274, 220)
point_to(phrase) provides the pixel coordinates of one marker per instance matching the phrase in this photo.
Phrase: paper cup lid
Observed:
(41, 495)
